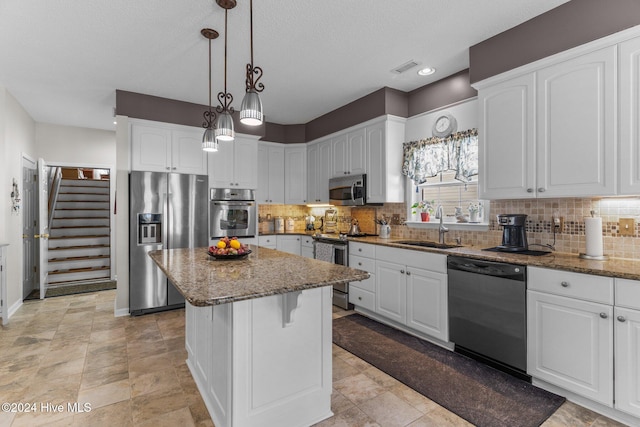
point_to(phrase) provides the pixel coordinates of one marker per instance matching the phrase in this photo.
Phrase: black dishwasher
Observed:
(487, 312)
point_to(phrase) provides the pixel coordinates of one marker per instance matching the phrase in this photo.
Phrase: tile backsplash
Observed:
(540, 213)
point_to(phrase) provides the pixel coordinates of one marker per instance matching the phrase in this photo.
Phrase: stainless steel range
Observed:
(334, 248)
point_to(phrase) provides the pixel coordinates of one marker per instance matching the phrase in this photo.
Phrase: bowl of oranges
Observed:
(229, 248)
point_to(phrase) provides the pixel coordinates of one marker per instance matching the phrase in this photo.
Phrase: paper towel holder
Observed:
(591, 257)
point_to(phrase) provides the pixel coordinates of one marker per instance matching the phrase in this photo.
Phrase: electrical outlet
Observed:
(558, 223)
(626, 226)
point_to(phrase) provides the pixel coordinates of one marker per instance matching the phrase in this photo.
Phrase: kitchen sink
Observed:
(426, 244)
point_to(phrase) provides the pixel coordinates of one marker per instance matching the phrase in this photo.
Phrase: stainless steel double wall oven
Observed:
(232, 212)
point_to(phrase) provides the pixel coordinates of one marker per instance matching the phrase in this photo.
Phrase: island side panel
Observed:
(282, 372)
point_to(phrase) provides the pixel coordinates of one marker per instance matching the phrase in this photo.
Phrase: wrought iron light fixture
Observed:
(224, 130)
(251, 107)
(209, 142)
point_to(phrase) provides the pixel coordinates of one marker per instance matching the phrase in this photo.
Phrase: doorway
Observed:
(30, 285)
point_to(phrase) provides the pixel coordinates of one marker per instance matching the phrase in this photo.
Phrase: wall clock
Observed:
(444, 125)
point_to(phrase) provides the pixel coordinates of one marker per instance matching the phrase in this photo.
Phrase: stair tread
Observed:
(82, 209)
(78, 247)
(80, 270)
(81, 217)
(79, 226)
(84, 236)
(74, 281)
(79, 258)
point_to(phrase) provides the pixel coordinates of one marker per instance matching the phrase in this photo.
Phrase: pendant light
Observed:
(209, 142)
(251, 107)
(224, 131)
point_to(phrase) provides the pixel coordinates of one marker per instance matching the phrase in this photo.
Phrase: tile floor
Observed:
(132, 372)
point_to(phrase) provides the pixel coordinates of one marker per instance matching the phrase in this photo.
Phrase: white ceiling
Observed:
(63, 59)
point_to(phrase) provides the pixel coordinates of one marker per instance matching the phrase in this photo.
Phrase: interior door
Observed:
(29, 227)
(43, 226)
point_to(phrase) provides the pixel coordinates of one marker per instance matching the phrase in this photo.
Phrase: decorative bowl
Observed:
(229, 257)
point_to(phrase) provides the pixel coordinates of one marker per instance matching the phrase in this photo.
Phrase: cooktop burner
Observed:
(527, 252)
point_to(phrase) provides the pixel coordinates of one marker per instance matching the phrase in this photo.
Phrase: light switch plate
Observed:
(627, 226)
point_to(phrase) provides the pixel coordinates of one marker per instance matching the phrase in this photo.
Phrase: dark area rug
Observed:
(478, 393)
(74, 289)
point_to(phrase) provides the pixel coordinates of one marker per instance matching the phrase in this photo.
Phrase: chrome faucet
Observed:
(442, 229)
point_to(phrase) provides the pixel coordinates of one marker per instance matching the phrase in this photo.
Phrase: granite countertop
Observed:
(204, 281)
(613, 267)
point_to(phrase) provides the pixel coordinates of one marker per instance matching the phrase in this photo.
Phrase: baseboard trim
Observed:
(120, 312)
(16, 305)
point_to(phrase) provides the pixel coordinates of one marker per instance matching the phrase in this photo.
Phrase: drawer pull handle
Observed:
(360, 298)
(541, 190)
(621, 319)
(565, 284)
(402, 271)
(603, 315)
(529, 190)
(359, 263)
(408, 273)
(359, 249)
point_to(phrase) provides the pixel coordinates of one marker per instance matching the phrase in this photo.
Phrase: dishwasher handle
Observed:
(488, 268)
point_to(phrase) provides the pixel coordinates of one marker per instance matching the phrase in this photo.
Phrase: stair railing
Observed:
(55, 177)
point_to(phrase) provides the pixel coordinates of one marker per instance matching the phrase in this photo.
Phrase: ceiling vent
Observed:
(404, 67)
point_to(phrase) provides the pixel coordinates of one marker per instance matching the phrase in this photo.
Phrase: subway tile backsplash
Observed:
(540, 212)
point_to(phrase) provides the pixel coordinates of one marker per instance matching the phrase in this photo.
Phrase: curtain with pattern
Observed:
(429, 157)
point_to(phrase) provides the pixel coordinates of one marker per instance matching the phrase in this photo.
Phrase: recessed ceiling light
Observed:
(427, 71)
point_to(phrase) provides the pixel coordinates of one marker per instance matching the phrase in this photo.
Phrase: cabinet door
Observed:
(576, 127)
(339, 153)
(186, 152)
(245, 163)
(295, 175)
(150, 148)
(290, 244)
(627, 333)
(324, 171)
(357, 152)
(262, 190)
(506, 152)
(203, 346)
(570, 344)
(276, 175)
(391, 291)
(427, 305)
(312, 173)
(376, 164)
(221, 166)
(629, 164)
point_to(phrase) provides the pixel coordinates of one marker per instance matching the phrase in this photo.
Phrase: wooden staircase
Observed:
(79, 238)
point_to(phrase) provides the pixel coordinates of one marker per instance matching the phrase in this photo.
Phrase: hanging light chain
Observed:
(252, 83)
(209, 115)
(225, 98)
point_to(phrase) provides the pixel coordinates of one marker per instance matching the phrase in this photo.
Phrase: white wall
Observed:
(419, 127)
(18, 138)
(68, 144)
(123, 153)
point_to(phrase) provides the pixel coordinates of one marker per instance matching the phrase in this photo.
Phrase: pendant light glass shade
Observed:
(224, 129)
(209, 142)
(251, 109)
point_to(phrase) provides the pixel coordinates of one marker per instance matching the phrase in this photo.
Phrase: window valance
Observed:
(429, 157)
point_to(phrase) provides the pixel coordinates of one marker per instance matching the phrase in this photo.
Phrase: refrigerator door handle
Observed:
(165, 224)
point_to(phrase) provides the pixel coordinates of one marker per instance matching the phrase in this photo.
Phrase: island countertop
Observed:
(204, 281)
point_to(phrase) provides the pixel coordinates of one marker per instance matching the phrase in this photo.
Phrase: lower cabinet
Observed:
(306, 247)
(363, 293)
(409, 288)
(267, 241)
(289, 244)
(627, 347)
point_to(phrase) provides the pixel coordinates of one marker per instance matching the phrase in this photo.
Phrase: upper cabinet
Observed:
(295, 174)
(235, 163)
(385, 182)
(319, 170)
(270, 173)
(162, 147)
(554, 128)
(629, 164)
(349, 153)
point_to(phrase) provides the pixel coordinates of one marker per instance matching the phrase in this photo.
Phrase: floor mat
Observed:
(478, 393)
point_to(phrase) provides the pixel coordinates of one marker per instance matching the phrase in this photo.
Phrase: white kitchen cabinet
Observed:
(551, 132)
(270, 173)
(348, 151)
(295, 174)
(235, 164)
(629, 114)
(391, 291)
(363, 293)
(570, 332)
(319, 170)
(161, 147)
(427, 304)
(290, 243)
(506, 152)
(576, 126)
(385, 182)
(268, 241)
(306, 247)
(627, 346)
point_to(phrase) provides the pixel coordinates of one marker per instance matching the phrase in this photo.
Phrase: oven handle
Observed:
(228, 203)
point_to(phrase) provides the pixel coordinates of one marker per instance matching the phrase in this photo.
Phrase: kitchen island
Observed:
(258, 333)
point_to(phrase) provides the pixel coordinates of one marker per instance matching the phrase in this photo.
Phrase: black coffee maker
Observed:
(514, 234)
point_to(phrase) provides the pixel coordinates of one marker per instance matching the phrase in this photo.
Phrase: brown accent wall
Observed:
(285, 134)
(569, 25)
(446, 91)
(141, 106)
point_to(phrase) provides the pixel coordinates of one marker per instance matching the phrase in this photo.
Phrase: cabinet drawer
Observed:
(419, 259)
(268, 241)
(362, 249)
(362, 298)
(366, 264)
(575, 285)
(368, 284)
(628, 293)
(307, 241)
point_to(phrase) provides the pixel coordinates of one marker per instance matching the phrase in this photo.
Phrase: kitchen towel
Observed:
(593, 236)
(324, 252)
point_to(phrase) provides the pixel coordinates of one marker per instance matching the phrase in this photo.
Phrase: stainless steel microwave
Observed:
(350, 190)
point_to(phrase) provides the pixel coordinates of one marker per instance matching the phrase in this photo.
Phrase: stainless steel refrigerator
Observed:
(167, 211)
